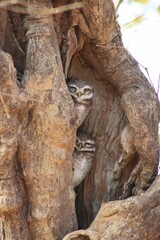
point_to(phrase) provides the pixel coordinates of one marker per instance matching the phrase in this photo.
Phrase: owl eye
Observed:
(72, 89)
(86, 90)
(87, 144)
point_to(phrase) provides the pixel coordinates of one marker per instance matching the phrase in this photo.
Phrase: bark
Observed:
(13, 223)
(123, 97)
(126, 219)
(48, 121)
(48, 138)
(84, 44)
(137, 98)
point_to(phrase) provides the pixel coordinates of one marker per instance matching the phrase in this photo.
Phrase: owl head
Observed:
(80, 90)
(85, 143)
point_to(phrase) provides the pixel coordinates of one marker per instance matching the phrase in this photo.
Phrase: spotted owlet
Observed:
(82, 94)
(82, 157)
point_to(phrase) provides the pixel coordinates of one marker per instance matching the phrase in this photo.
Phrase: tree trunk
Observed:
(38, 126)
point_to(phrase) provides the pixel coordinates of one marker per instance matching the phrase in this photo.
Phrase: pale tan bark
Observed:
(13, 224)
(48, 137)
(134, 218)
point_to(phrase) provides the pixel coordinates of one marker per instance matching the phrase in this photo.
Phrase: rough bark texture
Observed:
(123, 96)
(48, 121)
(38, 127)
(134, 218)
(48, 138)
(13, 223)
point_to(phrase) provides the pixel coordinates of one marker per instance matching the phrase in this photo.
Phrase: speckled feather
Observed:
(82, 163)
(82, 103)
(82, 157)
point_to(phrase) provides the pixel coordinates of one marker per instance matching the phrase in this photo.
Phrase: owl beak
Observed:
(79, 94)
(79, 145)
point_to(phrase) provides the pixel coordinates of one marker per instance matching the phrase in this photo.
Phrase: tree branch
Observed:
(12, 218)
(48, 136)
(119, 219)
(111, 62)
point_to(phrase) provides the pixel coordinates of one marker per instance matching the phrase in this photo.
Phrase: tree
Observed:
(38, 128)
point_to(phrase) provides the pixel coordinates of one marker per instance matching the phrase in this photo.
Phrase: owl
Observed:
(82, 157)
(82, 94)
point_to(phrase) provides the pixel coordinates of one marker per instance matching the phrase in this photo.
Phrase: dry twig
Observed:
(29, 9)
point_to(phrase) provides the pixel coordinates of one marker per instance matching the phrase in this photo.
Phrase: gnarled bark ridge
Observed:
(48, 138)
(126, 219)
(13, 224)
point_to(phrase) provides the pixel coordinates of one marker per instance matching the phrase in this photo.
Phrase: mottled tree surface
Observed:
(134, 218)
(38, 127)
